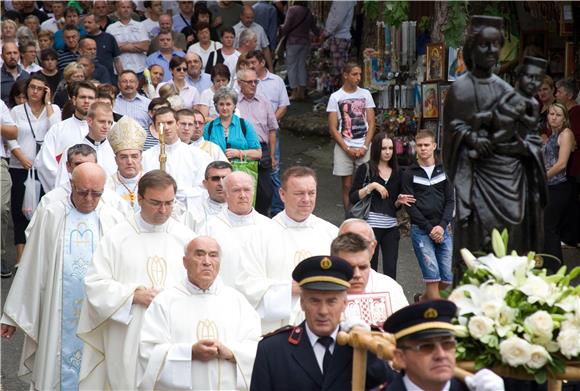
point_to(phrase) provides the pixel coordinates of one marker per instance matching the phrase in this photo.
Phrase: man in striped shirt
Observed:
(70, 53)
(129, 102)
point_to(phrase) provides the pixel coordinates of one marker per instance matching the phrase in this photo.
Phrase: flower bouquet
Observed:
(510, 314)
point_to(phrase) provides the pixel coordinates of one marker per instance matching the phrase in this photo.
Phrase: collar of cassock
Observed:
(194, 290)
(172, 147)
(308, 223)
(214, 207)
(198, 142)
(146, 227)
(94, 142)
(237, 220)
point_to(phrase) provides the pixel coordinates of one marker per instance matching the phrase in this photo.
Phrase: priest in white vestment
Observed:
(197, 140)
(99, 120)
(127, 139)
(186, 165)
(200, 334)
(353, 248)
(200, 210)
(77, 155)
(64, 134)
(267, 261)
(46, 295)
(236, 225)
(135, 260)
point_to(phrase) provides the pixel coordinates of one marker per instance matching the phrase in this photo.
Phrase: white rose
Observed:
(480, 326)
(540, 324)
(515, 351)
(492, 308)
(569, 340)
(539, 357)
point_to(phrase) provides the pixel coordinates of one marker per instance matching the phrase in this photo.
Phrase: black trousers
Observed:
(265, 189)
(555, 216)
(388, 242)
(18, 176)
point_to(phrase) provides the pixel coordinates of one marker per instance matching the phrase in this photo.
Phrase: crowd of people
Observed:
(167, 240)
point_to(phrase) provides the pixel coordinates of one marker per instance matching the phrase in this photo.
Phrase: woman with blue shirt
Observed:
(237, 141)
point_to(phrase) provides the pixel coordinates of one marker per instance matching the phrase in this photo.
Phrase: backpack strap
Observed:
(243, 123)
(209, 128)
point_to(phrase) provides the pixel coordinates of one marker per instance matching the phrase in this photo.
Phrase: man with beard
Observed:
(11, 71)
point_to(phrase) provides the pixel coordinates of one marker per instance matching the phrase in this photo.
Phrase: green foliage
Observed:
(424, 23)
(394, 12)
(456, 23)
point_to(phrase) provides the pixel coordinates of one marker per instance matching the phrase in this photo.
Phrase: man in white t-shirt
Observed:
(351, 122)
(132, 38)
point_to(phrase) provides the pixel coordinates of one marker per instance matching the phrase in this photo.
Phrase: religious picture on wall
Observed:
(456, 64)
(430, 101)
(435, 61)
(353, 117)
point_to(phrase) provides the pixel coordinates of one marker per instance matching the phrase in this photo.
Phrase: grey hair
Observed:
(247, 35)
(241, 73)
(80, 149)
(343, 227)
(225, 93)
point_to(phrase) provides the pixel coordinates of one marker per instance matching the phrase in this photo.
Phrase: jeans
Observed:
(277, 204)
(434, 258)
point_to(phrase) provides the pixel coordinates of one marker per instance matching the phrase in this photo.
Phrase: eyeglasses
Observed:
(253, 82)
(87, 193)
(180, 69)
(216, 178)
(429, 347)
(158, 204)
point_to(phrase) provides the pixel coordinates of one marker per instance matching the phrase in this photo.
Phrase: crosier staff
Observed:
(162, 155)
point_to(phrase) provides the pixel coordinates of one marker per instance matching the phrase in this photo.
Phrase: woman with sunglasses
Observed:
(33, 119)
(187, 92)
(238, 141)
(384, 188)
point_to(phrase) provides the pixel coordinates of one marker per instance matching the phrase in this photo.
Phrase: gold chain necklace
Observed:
(132, 196)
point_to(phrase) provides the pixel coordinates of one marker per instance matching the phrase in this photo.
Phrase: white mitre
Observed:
(127, 134)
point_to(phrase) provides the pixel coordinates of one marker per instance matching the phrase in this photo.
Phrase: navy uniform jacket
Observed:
(398, 385)
(286, 361)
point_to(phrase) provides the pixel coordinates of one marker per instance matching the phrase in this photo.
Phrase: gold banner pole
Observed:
(162, 155)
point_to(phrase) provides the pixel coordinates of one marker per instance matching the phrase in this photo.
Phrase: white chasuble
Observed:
(232, 231)
(267, 263)
(126, 189)
(181, 316)
(200, 210)
(133, 254)
(35, 301)
(80, 239)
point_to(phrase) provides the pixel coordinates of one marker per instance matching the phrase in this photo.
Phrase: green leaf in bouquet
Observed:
(555, 278)
(572, 275)
(514, 297)
(505, 238)
(540, 376)
(557, 365)
(490, 340)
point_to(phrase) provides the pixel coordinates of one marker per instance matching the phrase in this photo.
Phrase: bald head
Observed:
(239, 189)
(87, 185)
(202, 261)
(359, 227)
(247, 15)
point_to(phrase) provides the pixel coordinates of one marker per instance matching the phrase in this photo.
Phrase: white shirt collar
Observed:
(198, 142)
(146, 227)
(237, 220)
(195, 290)
(410, 386)
(293, 223)
(214, 206)
(313, 338)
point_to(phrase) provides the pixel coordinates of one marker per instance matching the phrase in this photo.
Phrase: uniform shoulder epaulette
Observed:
(278, 331)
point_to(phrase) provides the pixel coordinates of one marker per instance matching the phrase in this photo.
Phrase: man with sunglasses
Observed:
(203, 208)
(426, 350)
(135, 260)
(46, 294)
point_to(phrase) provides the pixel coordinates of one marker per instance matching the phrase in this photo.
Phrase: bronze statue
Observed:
(492, 149)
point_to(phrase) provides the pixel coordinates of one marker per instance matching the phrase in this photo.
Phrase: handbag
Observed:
(250, 167)
(361, 208)
(31, 194)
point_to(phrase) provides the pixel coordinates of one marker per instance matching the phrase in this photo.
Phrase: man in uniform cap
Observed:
(426, 350)
(307, 357)
(127, 138)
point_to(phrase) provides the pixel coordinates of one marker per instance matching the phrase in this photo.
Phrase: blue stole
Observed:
(81, 233)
